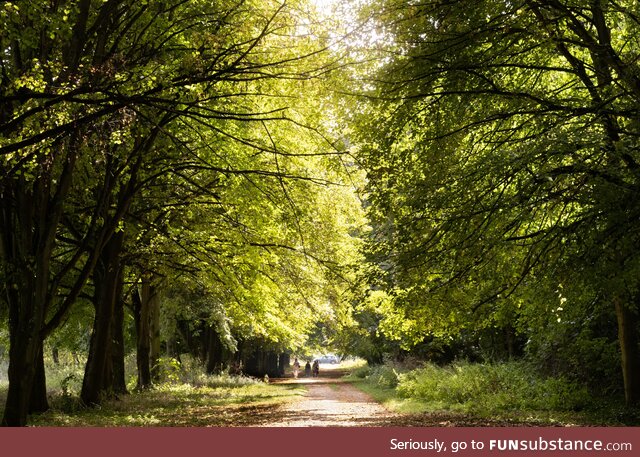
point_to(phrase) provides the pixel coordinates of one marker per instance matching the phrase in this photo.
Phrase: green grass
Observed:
(175, 405)
(502, 391)
(187, 397)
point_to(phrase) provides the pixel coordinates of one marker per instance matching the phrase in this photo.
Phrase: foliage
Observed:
(191, 372)
(169, 369)
(210, 152)
(182, 142)
(502, 161)
(384, 376)
(491, 388)
(507, 391)
(186, 384)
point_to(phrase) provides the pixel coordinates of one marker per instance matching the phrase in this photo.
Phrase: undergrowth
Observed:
(177, 404)
(185, 396)
(509, 389)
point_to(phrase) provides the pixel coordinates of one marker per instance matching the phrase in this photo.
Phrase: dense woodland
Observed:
(244, 180)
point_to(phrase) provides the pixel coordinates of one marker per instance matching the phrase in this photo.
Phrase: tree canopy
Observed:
(503, 182)
(144, 144)
(245, 179)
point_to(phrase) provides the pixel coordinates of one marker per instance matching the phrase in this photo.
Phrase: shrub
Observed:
(65, 379)
(227, 380)
(193, 373)
(169, 369)
(491, 387)
(361, 372)
(384, 376)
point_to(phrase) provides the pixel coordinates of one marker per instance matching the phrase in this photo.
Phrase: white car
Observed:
(328, 359)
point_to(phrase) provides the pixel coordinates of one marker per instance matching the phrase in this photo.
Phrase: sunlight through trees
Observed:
(246, 180)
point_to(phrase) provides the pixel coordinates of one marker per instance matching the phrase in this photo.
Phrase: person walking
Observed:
(296, 367)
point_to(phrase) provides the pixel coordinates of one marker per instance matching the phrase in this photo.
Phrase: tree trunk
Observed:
(94, 383)
(284, 360)
(509, 340)
(202, 341)
(260, 362)
(629, 351)
(154, 334)
(117, 340)
(38, 402)
(98, 376)
(30, 213)
(173, 347)
(214, 352)
(272, 364)
(141, 315)
(27, 305)
(252, 362)
(23, 366)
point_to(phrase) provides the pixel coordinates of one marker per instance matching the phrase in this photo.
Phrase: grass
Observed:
(505, 393)
(508, 392)
(176, 405)
(187, 397)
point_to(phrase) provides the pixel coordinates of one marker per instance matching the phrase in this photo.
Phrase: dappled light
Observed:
(319, 213)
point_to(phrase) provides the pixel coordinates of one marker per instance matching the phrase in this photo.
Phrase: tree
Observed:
(509, 161)
(111, 77)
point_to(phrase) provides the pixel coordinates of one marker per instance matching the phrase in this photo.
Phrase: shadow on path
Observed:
(329, 401)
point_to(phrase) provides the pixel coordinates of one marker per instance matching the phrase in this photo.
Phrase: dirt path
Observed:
(330, 401)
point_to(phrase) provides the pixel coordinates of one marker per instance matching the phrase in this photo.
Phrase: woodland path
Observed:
(331, 402)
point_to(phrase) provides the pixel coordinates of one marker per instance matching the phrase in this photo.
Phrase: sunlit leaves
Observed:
(494, 144)
(196, 129)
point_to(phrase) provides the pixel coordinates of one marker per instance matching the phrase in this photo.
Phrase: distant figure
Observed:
(296, 367)
(236, 368)
(307, 370)
(316, 368)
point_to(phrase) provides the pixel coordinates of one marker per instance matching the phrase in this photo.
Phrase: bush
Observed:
(227, 380)
(362, 372)
(191, 372)
(491, 387)
(170, 369)
(384, 376)
(64, 379)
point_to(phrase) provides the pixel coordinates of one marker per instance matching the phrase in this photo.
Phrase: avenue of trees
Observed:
(242, 179)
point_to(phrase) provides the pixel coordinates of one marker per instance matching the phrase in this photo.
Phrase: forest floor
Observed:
(328, 400)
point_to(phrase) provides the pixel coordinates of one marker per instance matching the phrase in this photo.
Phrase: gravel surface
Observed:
(330, 402)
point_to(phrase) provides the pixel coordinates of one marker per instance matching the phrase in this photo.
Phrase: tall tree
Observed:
(510, 153)
(83, 77)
